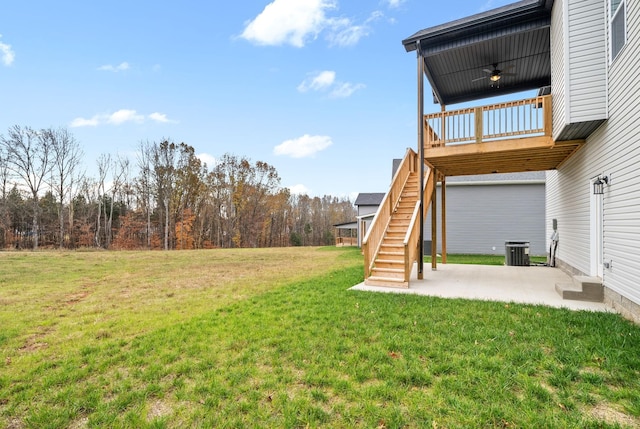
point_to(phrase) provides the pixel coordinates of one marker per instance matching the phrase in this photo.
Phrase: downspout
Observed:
(421, 156)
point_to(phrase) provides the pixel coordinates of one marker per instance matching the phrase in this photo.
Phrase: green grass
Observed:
(274, 338)
(481, 259)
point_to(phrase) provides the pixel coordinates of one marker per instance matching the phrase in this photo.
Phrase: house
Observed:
(367, 205)
(569, 70)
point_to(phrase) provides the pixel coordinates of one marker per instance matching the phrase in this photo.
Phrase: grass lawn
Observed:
(274, 338)
(482, 259)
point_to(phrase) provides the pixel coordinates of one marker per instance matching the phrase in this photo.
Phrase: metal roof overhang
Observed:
(516, 37)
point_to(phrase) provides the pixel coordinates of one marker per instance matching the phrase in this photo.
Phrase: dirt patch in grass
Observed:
(612, 416)
(80, 423)
(158, 409)
(74, 298)
(35, 342)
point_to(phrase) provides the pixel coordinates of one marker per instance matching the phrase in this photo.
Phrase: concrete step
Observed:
(582, 288)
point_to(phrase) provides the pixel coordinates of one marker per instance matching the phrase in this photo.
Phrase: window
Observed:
(618, 30)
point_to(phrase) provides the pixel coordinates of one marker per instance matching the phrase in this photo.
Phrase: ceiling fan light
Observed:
(494, 77)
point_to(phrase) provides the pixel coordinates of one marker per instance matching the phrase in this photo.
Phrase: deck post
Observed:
(478, 124)
(443, 195)
(420, 267)
(434, 221)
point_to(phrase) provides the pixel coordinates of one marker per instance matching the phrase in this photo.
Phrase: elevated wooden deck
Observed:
(499, 138)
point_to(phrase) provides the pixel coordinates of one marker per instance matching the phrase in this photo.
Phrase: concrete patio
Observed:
(529, 285)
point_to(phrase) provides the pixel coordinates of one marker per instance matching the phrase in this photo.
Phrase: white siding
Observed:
(557, 67)
(613, 149)
(578, 62)
(587, 60)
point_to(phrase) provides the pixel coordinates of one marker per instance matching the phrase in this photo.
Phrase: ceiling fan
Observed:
(496, 74)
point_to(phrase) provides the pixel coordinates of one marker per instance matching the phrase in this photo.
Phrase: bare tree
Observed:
(163, 161)
(66, 159)
(5, 221)
(29, 158)
(144, 158)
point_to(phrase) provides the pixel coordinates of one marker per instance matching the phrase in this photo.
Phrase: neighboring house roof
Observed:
(514, 38)
(369, 199)
(346, 225)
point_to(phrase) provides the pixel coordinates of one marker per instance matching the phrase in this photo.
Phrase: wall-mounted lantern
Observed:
(598, 184)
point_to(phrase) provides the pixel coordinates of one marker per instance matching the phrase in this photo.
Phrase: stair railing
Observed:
(412, 238)
(373, 238)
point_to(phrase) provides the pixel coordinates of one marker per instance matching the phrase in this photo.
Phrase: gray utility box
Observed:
(517, 253)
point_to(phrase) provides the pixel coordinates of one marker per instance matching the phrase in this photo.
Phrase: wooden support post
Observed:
(443, 132)
(434, 223)
(478, 124)
(547, 115)
(443, 195)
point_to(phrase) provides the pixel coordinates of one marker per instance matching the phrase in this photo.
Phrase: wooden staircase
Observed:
(389, 264)
(391, 244)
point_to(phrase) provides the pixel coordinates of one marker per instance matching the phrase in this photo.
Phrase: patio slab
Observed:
(529, 285)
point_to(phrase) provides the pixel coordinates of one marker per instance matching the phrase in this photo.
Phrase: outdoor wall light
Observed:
(598, 185)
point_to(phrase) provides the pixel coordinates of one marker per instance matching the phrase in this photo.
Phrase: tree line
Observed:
(165, 198)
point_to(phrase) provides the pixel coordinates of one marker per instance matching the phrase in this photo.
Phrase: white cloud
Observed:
(299, 189)
(296, 22)
(161, 117)
(318, 81)
(394, 3)
(345, 90)
(326, 81)
(124, 115)
(118, 118)
(290, 22)
(7, 53)
(345, 33)
(82, 122)
(303, 147)
(348, 36)
(210, 160)
(120, 67)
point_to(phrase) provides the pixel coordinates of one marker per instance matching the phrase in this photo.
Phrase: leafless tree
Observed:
(29, 157)
(65, 175)
(144, 158)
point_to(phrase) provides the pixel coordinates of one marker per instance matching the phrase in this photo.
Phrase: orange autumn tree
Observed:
(184, 230)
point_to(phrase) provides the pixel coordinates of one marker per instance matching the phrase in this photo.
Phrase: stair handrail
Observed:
(373, 238)
(412, 237)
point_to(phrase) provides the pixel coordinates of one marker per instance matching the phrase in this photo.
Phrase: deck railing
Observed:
(373, 238)
(521, 118)
(346, 241)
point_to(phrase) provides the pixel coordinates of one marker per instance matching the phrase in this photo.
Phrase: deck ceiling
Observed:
(505, 156)
(516, 37)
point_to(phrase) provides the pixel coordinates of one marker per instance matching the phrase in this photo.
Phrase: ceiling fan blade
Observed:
(508, 74)
(478, 78)
(509, 67)
(487, 71)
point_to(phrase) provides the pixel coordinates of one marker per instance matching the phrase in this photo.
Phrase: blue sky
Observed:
(323, 90)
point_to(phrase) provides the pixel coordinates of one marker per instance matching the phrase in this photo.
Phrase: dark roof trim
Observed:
(346, 225)
(369, 199)
(503, 16)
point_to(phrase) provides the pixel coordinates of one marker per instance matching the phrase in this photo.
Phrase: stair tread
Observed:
(389, 270)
